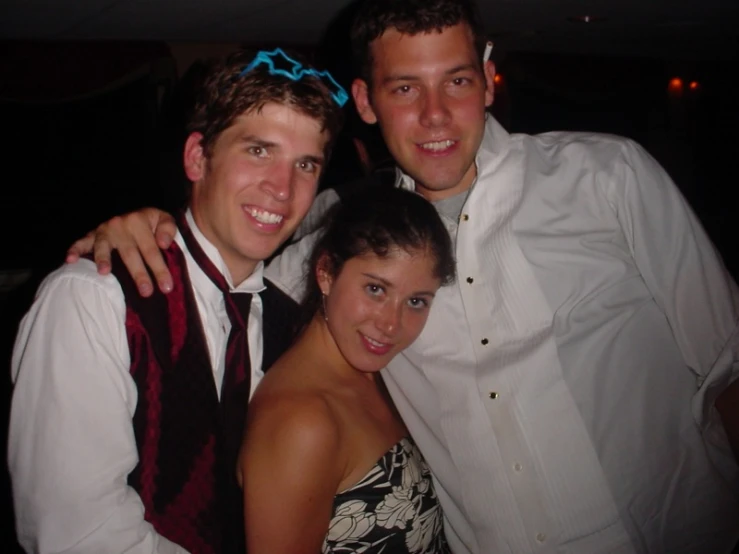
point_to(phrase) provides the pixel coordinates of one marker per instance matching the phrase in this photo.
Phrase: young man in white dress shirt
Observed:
(127, 413)
(576, 391)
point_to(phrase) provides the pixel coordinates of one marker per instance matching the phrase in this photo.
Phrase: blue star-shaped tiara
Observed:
(295, 71)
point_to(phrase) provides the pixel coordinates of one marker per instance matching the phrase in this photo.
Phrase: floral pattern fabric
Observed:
(392, 510)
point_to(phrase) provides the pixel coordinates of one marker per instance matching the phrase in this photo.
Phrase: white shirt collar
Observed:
(495, 145)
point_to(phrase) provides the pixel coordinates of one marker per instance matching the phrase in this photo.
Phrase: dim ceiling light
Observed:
(587, 18)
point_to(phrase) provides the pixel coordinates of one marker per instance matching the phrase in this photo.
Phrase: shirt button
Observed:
(484, 342)
(465, 217)
(517, 467)
(469, 280)
(493, 395)
(541, 537)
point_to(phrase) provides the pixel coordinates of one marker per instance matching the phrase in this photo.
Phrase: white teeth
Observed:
(263, 216)
(437, 145)
(374, 342)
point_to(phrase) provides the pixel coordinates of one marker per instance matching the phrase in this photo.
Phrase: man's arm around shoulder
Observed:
(287, 270)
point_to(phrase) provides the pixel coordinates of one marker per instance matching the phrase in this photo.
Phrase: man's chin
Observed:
(267, 248)
(437, 190)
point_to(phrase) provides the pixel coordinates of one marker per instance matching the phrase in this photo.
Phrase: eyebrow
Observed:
(389, 284)
(253, 139)
(452, 71)
(462, 67)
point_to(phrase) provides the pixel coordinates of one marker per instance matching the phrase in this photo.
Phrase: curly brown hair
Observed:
(410, 17)
(224, 95)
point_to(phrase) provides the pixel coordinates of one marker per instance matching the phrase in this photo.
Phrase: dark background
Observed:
(92, 129)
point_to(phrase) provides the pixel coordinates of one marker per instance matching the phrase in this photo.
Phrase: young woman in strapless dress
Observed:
(327, 464)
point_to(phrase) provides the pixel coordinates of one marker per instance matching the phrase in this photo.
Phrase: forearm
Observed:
(727, 405)
(689, 283)
(287, 270)
(42, 531)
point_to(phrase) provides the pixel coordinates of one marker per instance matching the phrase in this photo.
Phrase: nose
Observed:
(388, 319)
(435, 111)
(278, 181)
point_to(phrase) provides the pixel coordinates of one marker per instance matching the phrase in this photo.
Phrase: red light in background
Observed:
(675, 86)
(694, 85)
(498, 79)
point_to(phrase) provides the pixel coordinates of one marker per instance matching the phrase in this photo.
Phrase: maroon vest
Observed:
(187, 447)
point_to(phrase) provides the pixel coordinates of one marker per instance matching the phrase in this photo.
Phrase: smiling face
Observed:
(258, 183)
(429, 92)
(377, 306)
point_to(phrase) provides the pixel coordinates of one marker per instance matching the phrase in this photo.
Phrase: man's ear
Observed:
(324, 274)
(489, 69)
(360, 92)
(194, 157)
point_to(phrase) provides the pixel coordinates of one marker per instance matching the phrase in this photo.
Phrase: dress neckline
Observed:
(393, 448)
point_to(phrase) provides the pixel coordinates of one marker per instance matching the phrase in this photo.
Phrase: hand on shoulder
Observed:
(137, 236)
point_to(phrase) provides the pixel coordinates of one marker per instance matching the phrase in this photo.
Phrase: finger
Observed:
(152, 256)
(165, 228)
(164, 225)
(154, 259)
(101, 252)
(132, 259)
(121, 230)
(80, 247)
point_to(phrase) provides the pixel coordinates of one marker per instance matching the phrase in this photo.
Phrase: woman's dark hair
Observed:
(377, 220)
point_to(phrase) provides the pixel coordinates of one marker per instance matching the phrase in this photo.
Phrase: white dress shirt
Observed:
(71, 443)
(562, 390)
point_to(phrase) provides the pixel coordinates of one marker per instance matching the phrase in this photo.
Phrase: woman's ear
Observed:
(324, 274)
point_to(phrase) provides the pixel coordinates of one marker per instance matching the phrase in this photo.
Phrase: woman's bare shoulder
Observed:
(294, 411)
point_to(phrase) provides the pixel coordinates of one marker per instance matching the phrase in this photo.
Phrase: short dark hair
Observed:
(377, 220)
(409, 17)
(224, 95)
